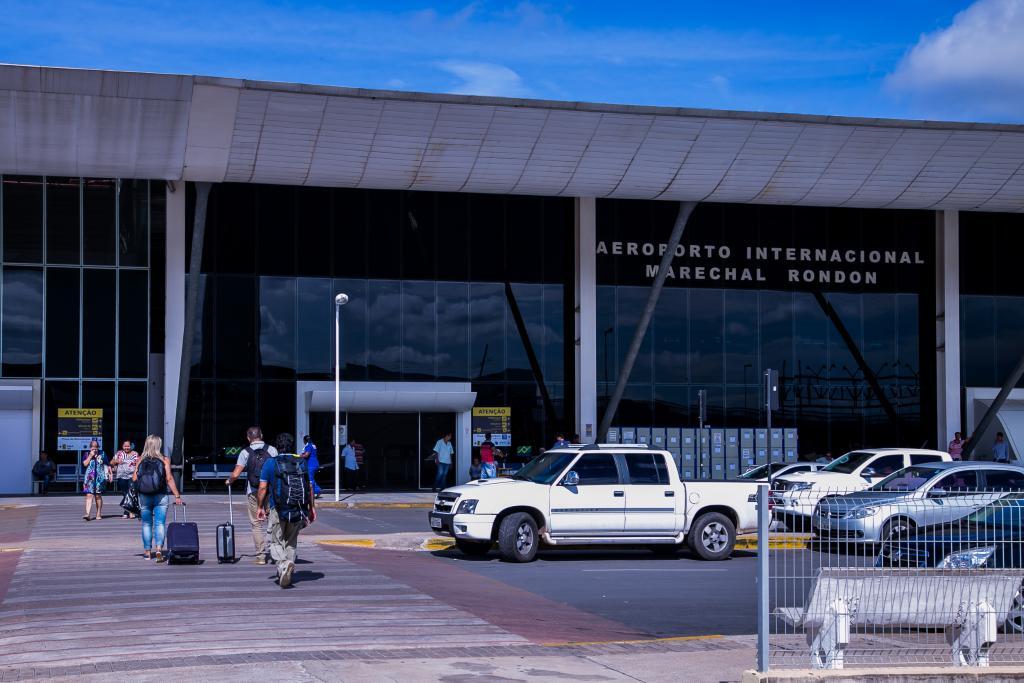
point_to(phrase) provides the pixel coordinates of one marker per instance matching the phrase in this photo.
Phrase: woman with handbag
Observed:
(125, 461)
(152, 480)
(97, 474)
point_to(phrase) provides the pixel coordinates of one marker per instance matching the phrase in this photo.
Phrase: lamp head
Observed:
(341, 299)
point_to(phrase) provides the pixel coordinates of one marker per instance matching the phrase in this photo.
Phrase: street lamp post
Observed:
(339, 301)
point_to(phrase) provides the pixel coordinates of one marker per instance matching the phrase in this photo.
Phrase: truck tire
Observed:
(517, 538)
(473, 548)
(712, 536)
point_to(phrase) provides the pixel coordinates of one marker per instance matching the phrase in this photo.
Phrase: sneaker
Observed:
(260, 560)
(286, 574)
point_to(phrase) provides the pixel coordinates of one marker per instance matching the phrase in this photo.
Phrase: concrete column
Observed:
(463, 438)
(174, 310)
(947, 325)
(585, 333)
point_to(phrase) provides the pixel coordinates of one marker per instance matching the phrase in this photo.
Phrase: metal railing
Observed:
(921, 573)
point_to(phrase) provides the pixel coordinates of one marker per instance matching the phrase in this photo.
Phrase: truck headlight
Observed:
(799, 486)
(467, 507)
(861, 513)
(967, 559)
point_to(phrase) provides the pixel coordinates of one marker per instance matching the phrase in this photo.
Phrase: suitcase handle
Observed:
(184, 515)
(231, 508)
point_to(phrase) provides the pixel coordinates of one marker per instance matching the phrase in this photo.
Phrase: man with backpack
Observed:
(286, 490)
(251, 461)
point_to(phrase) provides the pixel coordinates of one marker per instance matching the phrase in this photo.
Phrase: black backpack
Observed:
(152, 478)
(254, 465)
(291, 488)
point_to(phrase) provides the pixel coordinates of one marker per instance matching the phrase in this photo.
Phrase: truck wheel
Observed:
(712, 536)
(473, 548)
(517, 538)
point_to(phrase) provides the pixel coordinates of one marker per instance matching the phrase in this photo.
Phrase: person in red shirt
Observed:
(488, 468)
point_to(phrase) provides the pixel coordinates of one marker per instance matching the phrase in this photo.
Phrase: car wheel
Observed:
(517, 538)
(896, 529)
(712, 536)
(473, 548)
(664, 549)
(1015, 617)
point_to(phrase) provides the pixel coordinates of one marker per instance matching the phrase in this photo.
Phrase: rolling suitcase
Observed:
(226, 535)
(182, 540)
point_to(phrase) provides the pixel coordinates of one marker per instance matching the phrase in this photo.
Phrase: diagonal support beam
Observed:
(191, 312)
(685, 209)
(524, 337)
(994, 408)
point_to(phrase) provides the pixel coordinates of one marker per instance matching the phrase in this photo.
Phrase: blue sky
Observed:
(901, 58)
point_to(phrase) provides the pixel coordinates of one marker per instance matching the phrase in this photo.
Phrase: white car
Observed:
(609, 494)
(761, 473)
(794, 496)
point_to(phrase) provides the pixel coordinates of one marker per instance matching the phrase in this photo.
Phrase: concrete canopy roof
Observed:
(120, 124)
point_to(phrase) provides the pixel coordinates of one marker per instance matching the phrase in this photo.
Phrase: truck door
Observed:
(650, 498)
(596, 506)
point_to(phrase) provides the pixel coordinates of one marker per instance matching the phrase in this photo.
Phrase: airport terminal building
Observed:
(496, 253)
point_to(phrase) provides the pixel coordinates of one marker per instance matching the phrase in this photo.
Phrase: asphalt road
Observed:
(376, 521)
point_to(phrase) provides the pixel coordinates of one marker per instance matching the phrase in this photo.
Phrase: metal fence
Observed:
(920, 573)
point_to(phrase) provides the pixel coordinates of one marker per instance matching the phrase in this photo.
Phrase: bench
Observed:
(205, 472)
(968, 604)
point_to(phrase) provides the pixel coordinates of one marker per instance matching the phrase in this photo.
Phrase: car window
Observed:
(848, 462)
(922, 458)
(907, 479)
(1004, 480)
(886, 465)
(596, 468)
(964, 482)
(646, 468)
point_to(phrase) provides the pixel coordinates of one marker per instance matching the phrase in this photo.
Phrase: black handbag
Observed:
(130, 501)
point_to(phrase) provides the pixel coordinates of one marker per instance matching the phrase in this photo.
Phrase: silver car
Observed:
(916, 496)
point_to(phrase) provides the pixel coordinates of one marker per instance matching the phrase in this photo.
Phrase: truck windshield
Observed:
(761, 471)
(908, 479)
(846, 464)
(546, 468)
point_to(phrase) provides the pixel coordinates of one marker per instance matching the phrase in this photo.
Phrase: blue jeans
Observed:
(154, 519)
(488, 470)
(442, 475)
(314, 465)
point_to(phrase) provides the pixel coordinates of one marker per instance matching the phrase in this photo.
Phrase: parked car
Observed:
(795, 496)
(609, 494)
(779, 469)
(991, 538)
(916, 496)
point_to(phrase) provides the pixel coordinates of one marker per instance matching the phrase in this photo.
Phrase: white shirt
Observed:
(444, 451)
(350, 458)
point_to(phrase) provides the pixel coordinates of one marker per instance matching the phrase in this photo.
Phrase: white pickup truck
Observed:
(609, 494)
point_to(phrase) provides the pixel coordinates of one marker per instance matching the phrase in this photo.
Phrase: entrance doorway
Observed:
(396, 446)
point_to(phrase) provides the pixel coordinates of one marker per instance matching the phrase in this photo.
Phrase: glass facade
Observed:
(991, 297)
(433, 280)
(830, 298)
(75, 303)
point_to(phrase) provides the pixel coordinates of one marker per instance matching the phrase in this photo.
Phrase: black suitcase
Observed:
(226, 535)
(182, 540)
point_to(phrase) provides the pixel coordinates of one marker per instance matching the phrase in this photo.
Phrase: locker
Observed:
(789, 437)
(687, 438)
(775, 438)
(747, 438)
(629, 435)
(643, 435)
(747, 459)
(672, 438)
(658, 437)
(613, 435)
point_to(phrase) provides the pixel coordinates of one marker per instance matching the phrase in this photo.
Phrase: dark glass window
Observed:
(63, 241)
(596, 468)
(235, 411)
(384, 329)
(235, 326)
(99, 237)
(313, 231)
(134, 223)
(553, 341)
(354, 343)
(275, 218)
(62, 317)
(133, 324)
(646, 468)
(349, 233)
(314, 328)
(671, 339)
(453, 237)
(101, 395)
(453, 331)
(99, 324)
(1004, 480)
(385, 234)
(419, 236)
(740, 336)
(277, 411)
(487, 308)
(230, 229)
(706, 331)
(158, 258)
(530, 300)
(924, 458)
(132, 414)
(886, 465)
(419, 328)
(978, 341)
(277, 327)
(23, 322)
(629, 306)
(57, 395)
(23, 219)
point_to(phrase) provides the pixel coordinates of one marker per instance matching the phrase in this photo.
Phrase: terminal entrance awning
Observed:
(394, 397)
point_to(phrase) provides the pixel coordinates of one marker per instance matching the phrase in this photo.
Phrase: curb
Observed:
(443, 543)
(331, 505)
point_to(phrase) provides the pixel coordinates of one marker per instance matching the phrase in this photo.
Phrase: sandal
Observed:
(146, 555)
(160, 557)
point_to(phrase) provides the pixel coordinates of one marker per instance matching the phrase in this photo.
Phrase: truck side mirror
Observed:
(571, 479)
(868, 472)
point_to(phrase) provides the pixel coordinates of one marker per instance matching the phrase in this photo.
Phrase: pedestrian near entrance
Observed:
(475, 469)
(125, 461)
(1001, 449)
(956, 446)
(153, 478)
(350, 473)
(488, 468)
(97, 474)
(560, 441)
(309, 452)
(360, 463)
(44, 471)
(251, 461)
(285, 500)
(442, 455)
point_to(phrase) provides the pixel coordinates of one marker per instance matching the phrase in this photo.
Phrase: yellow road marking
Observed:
(352, 542)
(633, 642)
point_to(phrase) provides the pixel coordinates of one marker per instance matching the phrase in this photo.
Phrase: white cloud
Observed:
(483, 78)
(972, 65)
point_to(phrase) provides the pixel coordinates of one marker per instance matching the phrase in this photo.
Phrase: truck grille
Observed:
(445, 501)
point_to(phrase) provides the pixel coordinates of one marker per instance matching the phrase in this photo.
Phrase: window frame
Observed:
(659, 467)
(621, 475)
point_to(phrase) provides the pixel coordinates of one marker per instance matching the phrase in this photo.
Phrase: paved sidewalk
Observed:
(77, 600)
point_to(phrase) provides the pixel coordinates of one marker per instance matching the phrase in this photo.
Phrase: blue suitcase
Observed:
(182, 540)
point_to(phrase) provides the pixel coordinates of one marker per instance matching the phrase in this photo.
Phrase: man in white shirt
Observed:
(251, 461)
(442, 453)
(351, 473)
